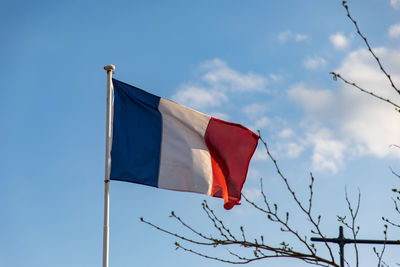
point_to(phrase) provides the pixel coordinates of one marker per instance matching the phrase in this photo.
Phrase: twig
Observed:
(381, 263)
(299, 204)
(352, 226)
(337, 75)
(176, 235)
(344, 3)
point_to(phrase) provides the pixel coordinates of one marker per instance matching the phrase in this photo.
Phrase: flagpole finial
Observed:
(109, 67)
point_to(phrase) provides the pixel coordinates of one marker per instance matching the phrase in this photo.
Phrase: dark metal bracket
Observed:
(342, 241)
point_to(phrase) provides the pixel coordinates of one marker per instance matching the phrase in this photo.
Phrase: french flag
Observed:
(159, 143)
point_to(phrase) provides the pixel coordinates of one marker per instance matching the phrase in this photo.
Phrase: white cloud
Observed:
(311, 100)
(217, 81)
(286, 133)
(328, 153)
(254, 110)
(283, 37)
(275, 77)
(288, 35)
(395, 4)
(260, 155)
(290, 149)
(198, 98)
(294, 149)
(314, 63)
(394, 31)
(339, 40)
(253, 173)
(372, 122)
(219, 75)
(252, 194)
(300, 37)
(259, 123)
(354, 123)
(256, 114)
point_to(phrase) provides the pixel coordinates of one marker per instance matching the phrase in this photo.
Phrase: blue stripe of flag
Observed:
(136, 143)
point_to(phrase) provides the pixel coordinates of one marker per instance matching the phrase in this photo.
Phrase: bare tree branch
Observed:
(337, 75)
(396, 201)
(379, 255)
(344, 3)
(293, 194)
(259, 248)
(352, 225)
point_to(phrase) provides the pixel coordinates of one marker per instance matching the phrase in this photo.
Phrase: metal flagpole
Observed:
(109, 69)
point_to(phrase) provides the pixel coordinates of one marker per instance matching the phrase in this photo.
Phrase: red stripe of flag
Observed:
(231, 147)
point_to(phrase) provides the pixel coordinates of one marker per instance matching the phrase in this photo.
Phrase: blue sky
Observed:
(264, 64)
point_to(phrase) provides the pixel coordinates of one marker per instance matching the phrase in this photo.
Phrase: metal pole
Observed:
(109, 69)
(342, 241)
(341, 246)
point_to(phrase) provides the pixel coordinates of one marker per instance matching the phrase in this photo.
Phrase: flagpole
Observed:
(109, 69)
